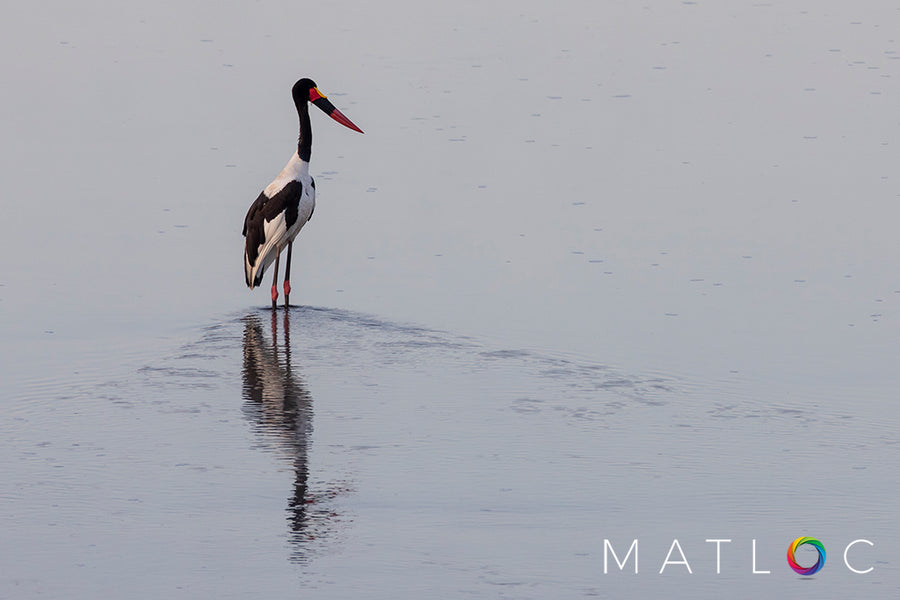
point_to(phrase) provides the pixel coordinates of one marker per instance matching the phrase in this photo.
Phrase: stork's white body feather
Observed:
(295, 170)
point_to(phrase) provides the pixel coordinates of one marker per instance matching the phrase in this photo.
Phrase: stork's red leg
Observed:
(274, 283)
(287, 276)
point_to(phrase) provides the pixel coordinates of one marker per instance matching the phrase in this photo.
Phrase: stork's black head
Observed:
(305, 90)
(301, 90)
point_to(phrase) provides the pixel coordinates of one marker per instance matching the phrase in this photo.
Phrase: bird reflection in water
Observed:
(278, 404)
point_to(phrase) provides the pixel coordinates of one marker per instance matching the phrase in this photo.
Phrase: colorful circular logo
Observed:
(801, 541)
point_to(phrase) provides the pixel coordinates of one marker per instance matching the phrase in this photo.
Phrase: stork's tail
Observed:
(250, 277)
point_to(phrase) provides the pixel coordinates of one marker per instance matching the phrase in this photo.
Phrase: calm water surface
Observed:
(594, 273)
(318, 448)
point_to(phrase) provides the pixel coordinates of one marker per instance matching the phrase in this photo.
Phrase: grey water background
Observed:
(596, 271)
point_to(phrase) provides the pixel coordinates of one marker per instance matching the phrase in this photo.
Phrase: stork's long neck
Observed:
(304, 143)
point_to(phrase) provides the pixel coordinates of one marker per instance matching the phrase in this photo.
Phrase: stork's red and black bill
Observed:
(319, 99)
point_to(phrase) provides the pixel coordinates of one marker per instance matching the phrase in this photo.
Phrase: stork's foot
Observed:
(287, 292)
(274, 296)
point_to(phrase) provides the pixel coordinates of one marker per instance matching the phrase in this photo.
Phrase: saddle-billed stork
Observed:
(285, 205)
